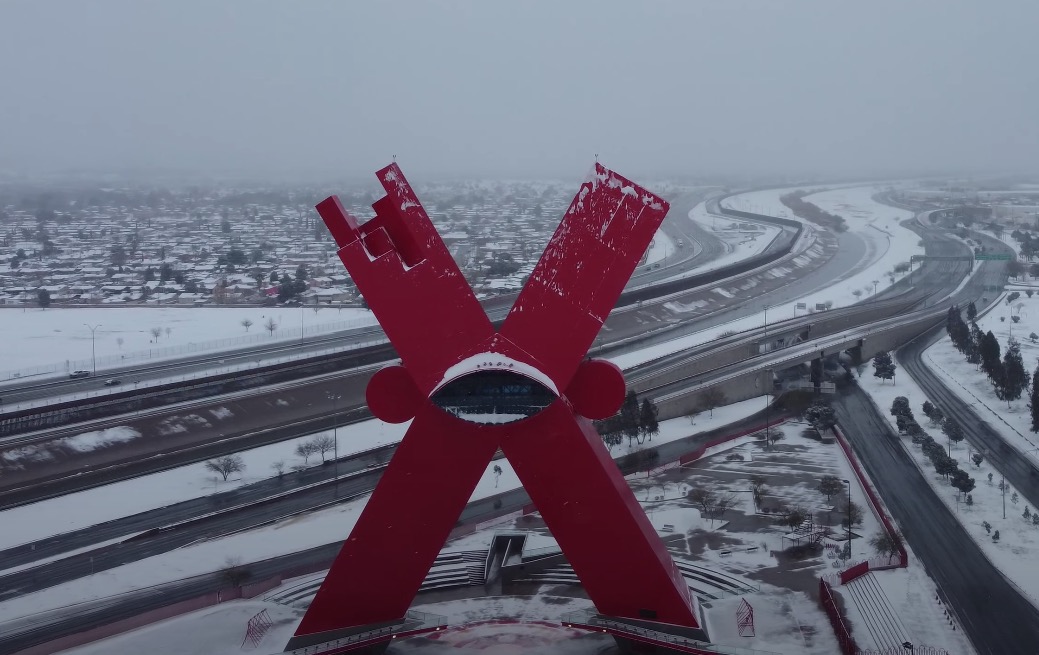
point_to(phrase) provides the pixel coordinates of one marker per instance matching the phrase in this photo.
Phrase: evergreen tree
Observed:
(972, 311)
(928, 408)
(953, 430)
(1034, 404)
(990, 362)
(900, 407)
(957, 329)
(648, 424)
(1013, 379)
(973, 349)
(629, 424)
(883, 367)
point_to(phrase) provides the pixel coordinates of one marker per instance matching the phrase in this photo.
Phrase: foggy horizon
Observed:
(327, 90)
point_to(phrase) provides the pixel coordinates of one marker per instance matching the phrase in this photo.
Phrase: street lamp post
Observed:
(765, 309)
(335, 438)
(93, 357)
(875, 283)
(848, 482)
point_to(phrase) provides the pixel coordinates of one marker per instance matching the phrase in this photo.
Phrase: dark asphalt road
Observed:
(998, 620)
(187, 510)
(16, 637)
(38, 391)
(861, 417)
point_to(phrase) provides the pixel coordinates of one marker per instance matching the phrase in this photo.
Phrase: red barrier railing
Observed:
(833, 612)
(862, 568)
(877, 506)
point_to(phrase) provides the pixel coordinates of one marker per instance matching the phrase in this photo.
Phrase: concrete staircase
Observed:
(882, 622)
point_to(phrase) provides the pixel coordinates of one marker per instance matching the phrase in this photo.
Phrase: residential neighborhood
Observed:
(225, 246)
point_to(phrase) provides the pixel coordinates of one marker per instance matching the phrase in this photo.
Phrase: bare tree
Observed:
(156, 332)
(246, 323)
(233, 572)
(855, 513)
(830, 485)
(271, 325)
(795, 517)
(887, 543)
(169, 331)
(323, 444)
(497, 474)
(119, 341)
(279, 467)
(758, 490)
(305, 449)
(712, 398)
(712, 505)
(226, 465)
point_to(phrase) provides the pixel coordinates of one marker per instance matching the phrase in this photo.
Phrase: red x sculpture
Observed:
(455, 367)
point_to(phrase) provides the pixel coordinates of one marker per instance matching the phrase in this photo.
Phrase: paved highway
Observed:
(1025, 623)
(260, 417)
(21, 634)
(994, 614)
(26, 391)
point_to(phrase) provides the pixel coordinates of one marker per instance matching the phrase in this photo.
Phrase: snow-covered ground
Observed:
(58, 340)
(659, 248)
(973, 386)
(888, 244)
(766, 201)
(1018, 546)
(331, 524)
(85, 508)
(778, 611)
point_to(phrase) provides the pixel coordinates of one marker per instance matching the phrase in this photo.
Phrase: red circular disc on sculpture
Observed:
(392, 395)
(597, 389)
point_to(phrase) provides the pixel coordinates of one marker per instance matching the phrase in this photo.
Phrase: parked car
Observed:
(75, 375)
(111, 382)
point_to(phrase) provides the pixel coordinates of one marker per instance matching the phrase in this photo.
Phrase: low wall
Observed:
(875, 505)
(840, 628)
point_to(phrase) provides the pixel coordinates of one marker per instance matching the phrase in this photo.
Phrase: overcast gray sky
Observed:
(520, 88)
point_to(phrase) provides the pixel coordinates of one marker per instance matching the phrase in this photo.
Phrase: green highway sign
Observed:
(991, 258)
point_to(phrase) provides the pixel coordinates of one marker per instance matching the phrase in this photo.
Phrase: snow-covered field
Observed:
(58, 340)
(888, 244)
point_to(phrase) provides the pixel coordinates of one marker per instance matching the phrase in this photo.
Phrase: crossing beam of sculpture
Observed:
(469, 389)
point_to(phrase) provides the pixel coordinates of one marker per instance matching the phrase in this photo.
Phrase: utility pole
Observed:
(93, 357)
(1003, 488)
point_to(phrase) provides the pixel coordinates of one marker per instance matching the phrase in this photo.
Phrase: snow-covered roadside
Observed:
(659, 248)
(92, 506)
(973, 387)
(58, 340)
(766, 201)
(1019, 540)
(889, 247)
(287, 536)
(85, 508)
